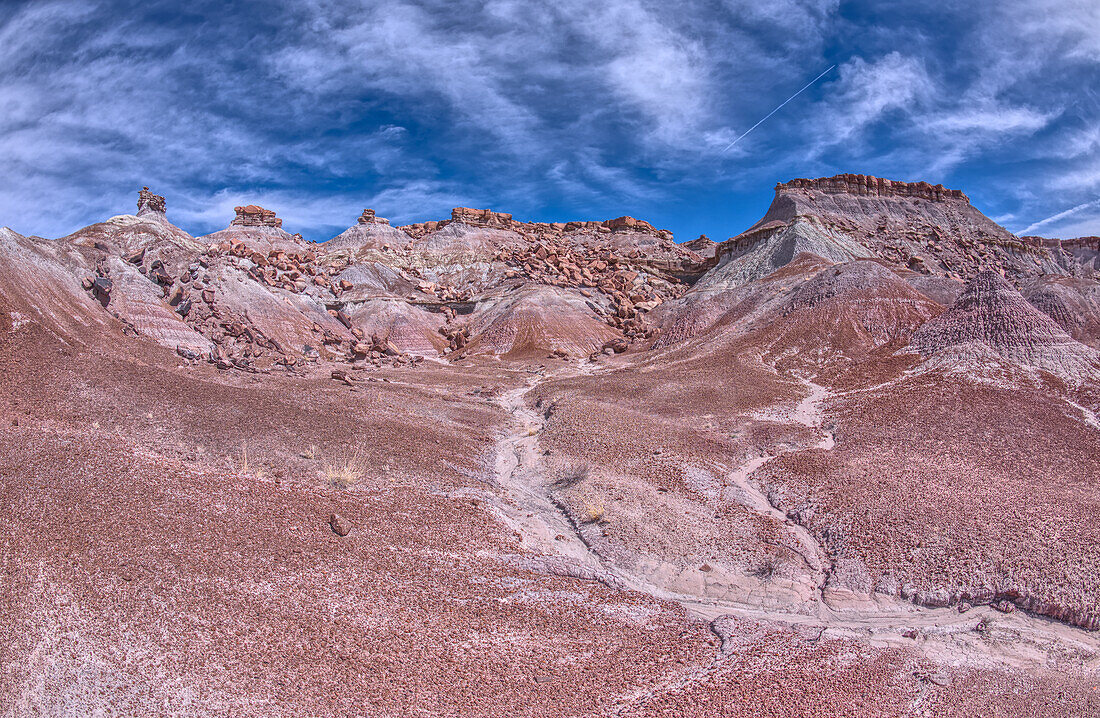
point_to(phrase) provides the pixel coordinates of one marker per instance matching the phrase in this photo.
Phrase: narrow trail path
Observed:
(525, 502)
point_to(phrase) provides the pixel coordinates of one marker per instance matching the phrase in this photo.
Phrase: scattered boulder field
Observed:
(843, 463)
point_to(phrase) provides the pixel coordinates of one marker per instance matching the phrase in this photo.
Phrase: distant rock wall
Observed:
(255, 216)
(489, 219)
(868, 186)
(1088, 243)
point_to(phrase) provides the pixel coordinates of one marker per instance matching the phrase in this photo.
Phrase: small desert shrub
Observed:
(342, 473)
(310, 453)
(767, 568)
(572, 475)
(985, 626)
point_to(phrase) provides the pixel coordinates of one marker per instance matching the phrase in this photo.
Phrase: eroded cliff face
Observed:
(868, 186)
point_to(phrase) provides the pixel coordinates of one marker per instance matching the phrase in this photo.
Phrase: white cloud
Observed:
(1070, 28)
(991, 120)
(866, 93)
(515, 105)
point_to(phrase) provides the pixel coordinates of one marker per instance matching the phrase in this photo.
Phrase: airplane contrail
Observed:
(1060, 215)
(808, 84)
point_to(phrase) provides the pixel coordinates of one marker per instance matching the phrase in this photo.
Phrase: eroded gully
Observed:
(524, 501)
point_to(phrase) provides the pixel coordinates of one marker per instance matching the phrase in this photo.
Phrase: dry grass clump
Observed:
(347, 471)
(594, 511)
(247, 467)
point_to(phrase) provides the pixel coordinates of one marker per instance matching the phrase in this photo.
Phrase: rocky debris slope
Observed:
(991, 316)
(480, 266)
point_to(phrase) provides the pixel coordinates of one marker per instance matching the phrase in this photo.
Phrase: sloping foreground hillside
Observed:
(484, 467)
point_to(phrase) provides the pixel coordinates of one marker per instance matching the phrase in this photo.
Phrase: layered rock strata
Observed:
(255, 216)
(868, 186)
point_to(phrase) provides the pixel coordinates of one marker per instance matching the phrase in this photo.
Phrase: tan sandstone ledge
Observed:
(868, 186)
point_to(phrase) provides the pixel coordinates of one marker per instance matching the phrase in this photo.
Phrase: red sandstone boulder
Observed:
(339, 524)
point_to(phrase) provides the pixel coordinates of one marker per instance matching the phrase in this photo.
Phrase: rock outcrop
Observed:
(482, 217)
(149, 203)
(368, 217)
(255, 216)
(702, 245)
(868, 186)
(488, 219)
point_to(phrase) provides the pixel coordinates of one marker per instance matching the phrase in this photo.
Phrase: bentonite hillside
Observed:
(844, 463)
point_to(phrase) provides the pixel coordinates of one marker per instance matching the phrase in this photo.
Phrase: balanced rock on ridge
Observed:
(368, 217)
(149, 203)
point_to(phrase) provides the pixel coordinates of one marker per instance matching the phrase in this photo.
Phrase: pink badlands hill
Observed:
(991, 314)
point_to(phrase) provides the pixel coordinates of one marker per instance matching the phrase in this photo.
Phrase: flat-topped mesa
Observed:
(868, 186)
(149, 203)
(368, 217)
(255, 216)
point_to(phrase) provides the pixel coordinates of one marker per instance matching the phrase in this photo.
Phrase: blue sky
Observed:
(550, 110)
